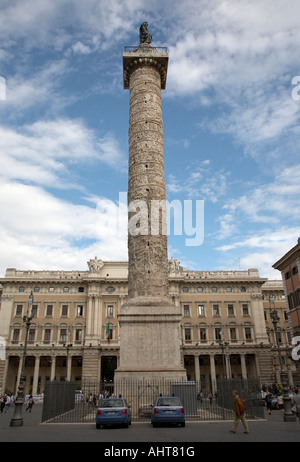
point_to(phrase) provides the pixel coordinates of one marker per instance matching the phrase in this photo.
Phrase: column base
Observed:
(150, 341)
(150, 375)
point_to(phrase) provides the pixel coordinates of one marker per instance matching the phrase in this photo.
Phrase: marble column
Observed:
(149, 322)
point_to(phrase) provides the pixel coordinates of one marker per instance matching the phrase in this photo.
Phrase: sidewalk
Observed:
(272, 429)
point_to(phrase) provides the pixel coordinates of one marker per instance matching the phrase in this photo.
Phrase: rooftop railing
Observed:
(130, 49)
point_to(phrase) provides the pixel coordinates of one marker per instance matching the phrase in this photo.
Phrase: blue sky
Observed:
(231, 113)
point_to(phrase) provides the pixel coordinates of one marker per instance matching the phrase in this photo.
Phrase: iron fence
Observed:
(70, 402)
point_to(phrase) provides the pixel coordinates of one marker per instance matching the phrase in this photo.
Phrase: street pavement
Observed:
(272, 429)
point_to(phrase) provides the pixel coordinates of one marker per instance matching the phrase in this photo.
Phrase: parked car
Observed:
(169, 410)
(113, 411)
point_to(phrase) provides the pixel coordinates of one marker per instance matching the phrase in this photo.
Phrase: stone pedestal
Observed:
(150, 342)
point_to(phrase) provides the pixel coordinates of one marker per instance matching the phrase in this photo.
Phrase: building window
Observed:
(49, 311)
(108, 336)
(36, 289)
(19, 310)
(228, 289)
(218, 333)
(79, 311)
(16, 336)
(110, 289)
(63, 336)
(78, 335)
(187, 334)
(47, 335)
(216, 310)
(201, 310)
(66, 289)
(186, 310)
(297, 297)
(287, 275)
(230, 310)
(34, 311)
(51, 289)
(199, 289)
(214, 289)
(203, 337)
(291, 301)
(233, 334)
(31, 336)
(80, 289)
(185, 289)
(21, 289)
(110, 311)
(243, 289)
(248, 334)
(64, 310)
(295, 270)
(245, 309)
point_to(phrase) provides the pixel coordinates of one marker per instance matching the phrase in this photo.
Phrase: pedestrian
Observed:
(30, 403)
(3, 401)
(90, 402)
(7, 403)
(269, 401)
(240, 409)
(280, 403)
(216, 397)
(296, 402)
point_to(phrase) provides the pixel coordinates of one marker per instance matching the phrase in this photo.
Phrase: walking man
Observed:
(240, 410)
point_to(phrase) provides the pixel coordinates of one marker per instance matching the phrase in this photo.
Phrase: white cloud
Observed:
(239, 57)
(262, 249)
(44, 151)
(202, 182)
(35, 88)
(262, 224)
(36, 228)
(54, 23)
(271, 202)
(80, 48)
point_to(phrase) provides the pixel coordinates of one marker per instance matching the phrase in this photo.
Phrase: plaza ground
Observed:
(272, 429)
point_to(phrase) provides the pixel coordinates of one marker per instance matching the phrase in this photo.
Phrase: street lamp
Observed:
(288, 416)
(17, 419)
(222, 345)
(67, 346)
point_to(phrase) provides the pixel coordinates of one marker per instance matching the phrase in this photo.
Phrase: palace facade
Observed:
(225, 330)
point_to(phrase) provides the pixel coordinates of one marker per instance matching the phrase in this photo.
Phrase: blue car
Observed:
(113, 411)
(168, 410)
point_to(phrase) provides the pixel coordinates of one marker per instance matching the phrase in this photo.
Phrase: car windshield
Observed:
(168, 402)
(112, 403)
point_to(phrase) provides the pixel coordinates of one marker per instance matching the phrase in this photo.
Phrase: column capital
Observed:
(145, 56)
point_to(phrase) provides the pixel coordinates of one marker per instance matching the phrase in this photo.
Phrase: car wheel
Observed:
(126, 425)
(183, 424)
(98, 426)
